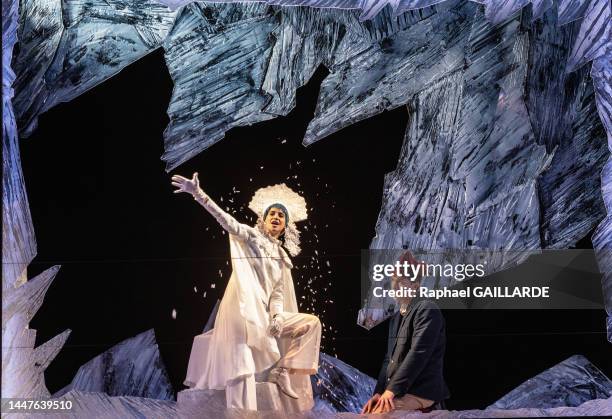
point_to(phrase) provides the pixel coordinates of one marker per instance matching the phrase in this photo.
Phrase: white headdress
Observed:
(279, 194)
(295, 205)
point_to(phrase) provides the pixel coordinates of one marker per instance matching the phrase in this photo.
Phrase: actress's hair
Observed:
(290, 237)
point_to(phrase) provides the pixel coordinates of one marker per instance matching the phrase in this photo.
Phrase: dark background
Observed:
(132, 251)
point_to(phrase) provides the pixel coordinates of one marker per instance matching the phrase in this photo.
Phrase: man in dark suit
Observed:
(411, 376)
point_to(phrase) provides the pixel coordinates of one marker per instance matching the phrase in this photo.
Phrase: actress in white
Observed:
(258, 333)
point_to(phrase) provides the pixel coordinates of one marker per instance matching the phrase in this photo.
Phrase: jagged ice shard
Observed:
(569, 383)
(338, 387)
(23, 364)
(506, 133)
(68, 47)
(131, 368)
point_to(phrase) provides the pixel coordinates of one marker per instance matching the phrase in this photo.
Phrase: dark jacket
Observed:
(415, 353)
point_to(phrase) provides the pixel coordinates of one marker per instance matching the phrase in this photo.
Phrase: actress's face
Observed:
(275, 222)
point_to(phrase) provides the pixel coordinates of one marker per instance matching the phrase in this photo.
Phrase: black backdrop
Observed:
(132, 252)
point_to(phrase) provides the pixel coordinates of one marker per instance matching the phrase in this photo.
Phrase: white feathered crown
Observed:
(281, 194)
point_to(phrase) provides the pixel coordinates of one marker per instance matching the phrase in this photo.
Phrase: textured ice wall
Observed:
(571, 382)
(18, 242)
(339, 387)
(100, 405)
(517, 148)
(496, 10)
(64, 49)
(244, 64)
(61, 58)
(67, 47)
(131, 368)
(601, 71)
(23, 365)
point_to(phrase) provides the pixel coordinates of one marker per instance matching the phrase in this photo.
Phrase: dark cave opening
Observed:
(132, 252)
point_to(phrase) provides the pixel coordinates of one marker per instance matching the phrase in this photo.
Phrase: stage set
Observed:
(307, 208)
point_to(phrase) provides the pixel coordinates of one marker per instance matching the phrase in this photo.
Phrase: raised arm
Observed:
(192, 186)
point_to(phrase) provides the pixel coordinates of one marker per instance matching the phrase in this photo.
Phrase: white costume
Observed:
(239, 346)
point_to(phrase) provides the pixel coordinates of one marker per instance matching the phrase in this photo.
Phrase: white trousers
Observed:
(301, 335)
(240, 393)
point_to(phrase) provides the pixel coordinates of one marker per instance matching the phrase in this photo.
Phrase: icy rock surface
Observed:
(375, 65)
(212, 403)
(601, 72)
(131, 368)
(503, 153)
(570, 10)
(338, 387)
(216, 57)
(288, 45)
(491, 60)
(23, 365)
(595, 35)
(497, 10)
(569, 383)
(100, 405)
(69, 46)
(18, 241)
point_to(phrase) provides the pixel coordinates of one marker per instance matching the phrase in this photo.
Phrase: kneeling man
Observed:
(411, 377)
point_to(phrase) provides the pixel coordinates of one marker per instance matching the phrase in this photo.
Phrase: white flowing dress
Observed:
(260, 286)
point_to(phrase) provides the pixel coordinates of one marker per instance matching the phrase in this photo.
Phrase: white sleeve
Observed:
(276, 298)
(226, 221)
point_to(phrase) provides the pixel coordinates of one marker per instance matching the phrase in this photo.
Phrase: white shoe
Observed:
(280, 376)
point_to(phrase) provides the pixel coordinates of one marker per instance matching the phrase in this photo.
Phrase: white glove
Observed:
(191, 186)
(276, 325)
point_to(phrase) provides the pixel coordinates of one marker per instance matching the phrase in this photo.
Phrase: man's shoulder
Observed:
(427, 308)
(426, 304)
